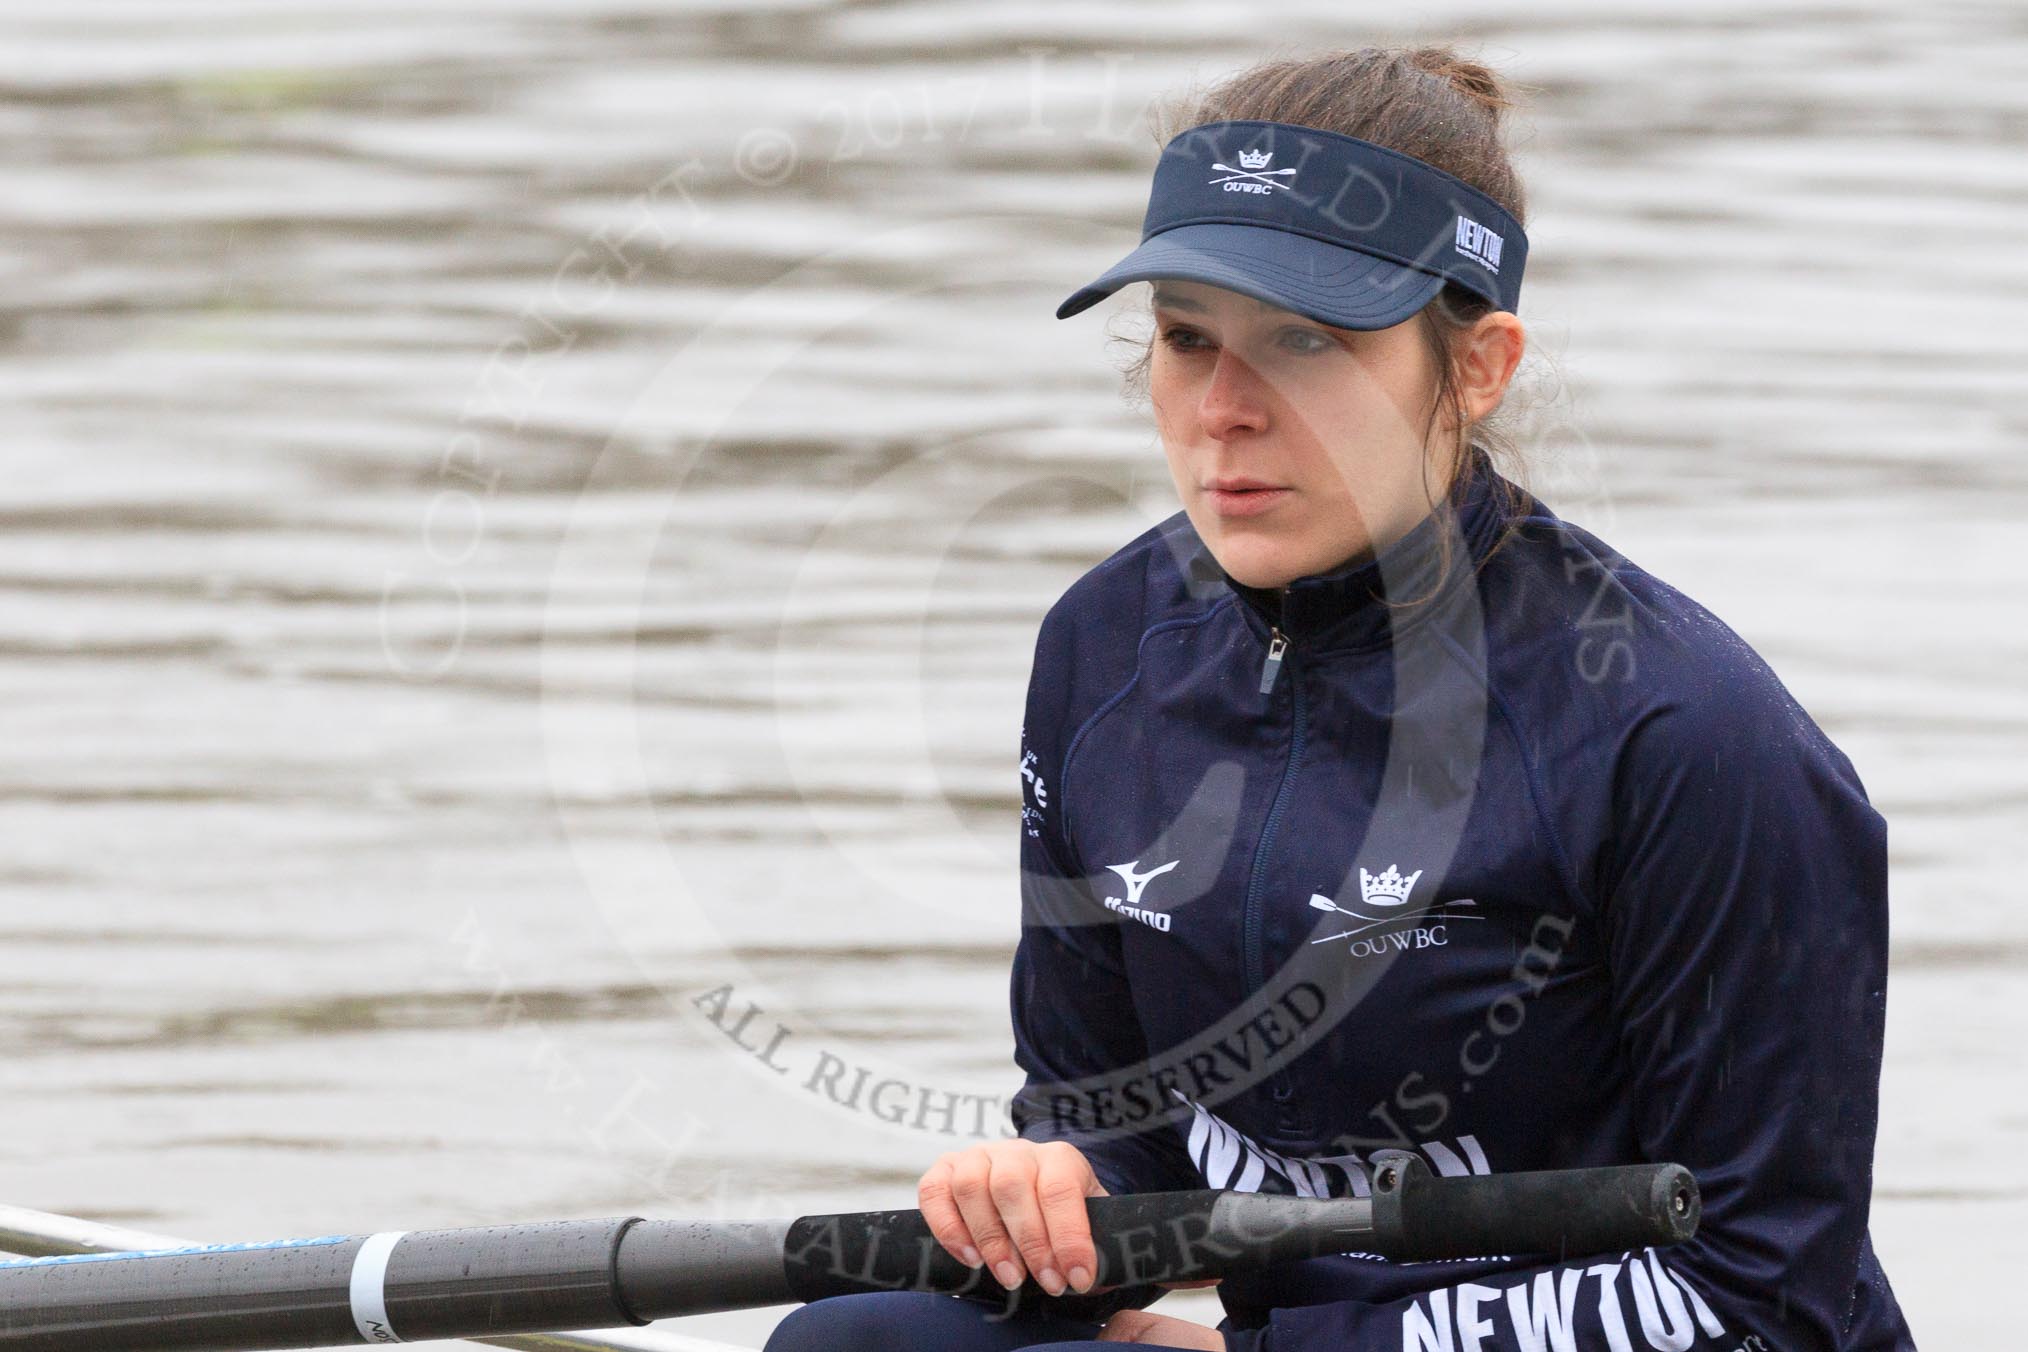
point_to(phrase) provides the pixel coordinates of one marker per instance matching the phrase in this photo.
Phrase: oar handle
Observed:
(1557, 1212)
(1143, 1239)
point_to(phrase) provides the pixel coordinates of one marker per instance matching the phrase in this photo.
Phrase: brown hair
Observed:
(1428, 102)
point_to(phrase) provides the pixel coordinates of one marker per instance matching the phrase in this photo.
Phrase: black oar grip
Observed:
(1561, 1213)
(1143, 1239)
(1140, 1239)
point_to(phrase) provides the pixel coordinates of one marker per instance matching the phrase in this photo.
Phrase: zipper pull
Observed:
(1272, 668)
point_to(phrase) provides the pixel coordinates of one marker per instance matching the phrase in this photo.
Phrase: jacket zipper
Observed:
(1256, 961)
(1278, 644)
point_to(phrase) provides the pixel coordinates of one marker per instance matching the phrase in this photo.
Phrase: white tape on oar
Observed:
(369, 1287)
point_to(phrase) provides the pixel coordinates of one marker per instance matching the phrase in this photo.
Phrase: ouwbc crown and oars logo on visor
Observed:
(1253, 174)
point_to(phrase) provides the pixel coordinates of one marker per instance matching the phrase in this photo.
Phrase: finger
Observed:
(940, 1212)
(1063, 1180)
(1013, 1187)
(971, 1176)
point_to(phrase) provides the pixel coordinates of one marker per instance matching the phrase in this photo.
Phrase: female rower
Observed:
(1372, 808)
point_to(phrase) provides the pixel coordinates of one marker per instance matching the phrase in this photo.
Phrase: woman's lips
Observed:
(1249, 501)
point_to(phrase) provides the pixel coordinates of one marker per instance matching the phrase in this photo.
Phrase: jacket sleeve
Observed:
(1073, 1014)
(1743, 905)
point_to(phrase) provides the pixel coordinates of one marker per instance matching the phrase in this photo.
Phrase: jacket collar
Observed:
(1348, 607)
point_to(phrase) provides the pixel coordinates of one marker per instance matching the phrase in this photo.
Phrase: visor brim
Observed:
(1326, 282)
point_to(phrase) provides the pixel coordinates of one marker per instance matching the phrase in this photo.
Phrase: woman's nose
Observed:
(1234, 399)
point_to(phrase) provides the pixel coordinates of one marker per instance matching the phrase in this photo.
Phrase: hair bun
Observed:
(1474, 79)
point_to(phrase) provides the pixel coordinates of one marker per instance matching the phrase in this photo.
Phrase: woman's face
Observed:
(1295, 446)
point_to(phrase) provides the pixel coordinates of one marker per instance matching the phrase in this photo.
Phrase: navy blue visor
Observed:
(1341, 230)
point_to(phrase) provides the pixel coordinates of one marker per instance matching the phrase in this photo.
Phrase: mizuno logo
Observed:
(1137, 883)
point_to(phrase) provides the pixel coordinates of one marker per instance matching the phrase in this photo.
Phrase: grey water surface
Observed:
(525, 522)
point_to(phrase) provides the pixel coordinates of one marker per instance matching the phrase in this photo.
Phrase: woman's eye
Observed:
(1305, 340)
(1182, 339)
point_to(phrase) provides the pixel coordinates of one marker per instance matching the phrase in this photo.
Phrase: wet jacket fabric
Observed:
(1496, 850)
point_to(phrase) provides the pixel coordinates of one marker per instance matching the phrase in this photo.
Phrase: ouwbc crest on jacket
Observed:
(1330, 226)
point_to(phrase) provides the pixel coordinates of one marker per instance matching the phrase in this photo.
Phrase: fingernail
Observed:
(1051, 1282)
(971, 1257)
(1080, 1279)
(1009, 1275)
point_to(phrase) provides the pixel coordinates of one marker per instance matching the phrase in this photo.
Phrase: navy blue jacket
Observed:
(1497, 850)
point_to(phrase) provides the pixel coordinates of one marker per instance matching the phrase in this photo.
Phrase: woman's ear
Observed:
(1490, 353)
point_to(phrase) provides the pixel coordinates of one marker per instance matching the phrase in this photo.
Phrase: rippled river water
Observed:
(521, 516)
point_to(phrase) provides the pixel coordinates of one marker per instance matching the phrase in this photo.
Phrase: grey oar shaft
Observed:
(581, 1274)
(322, 1292)
(41, 1234)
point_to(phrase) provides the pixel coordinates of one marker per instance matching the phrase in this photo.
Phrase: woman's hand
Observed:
(1016, 1207)
(1138, 1326)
